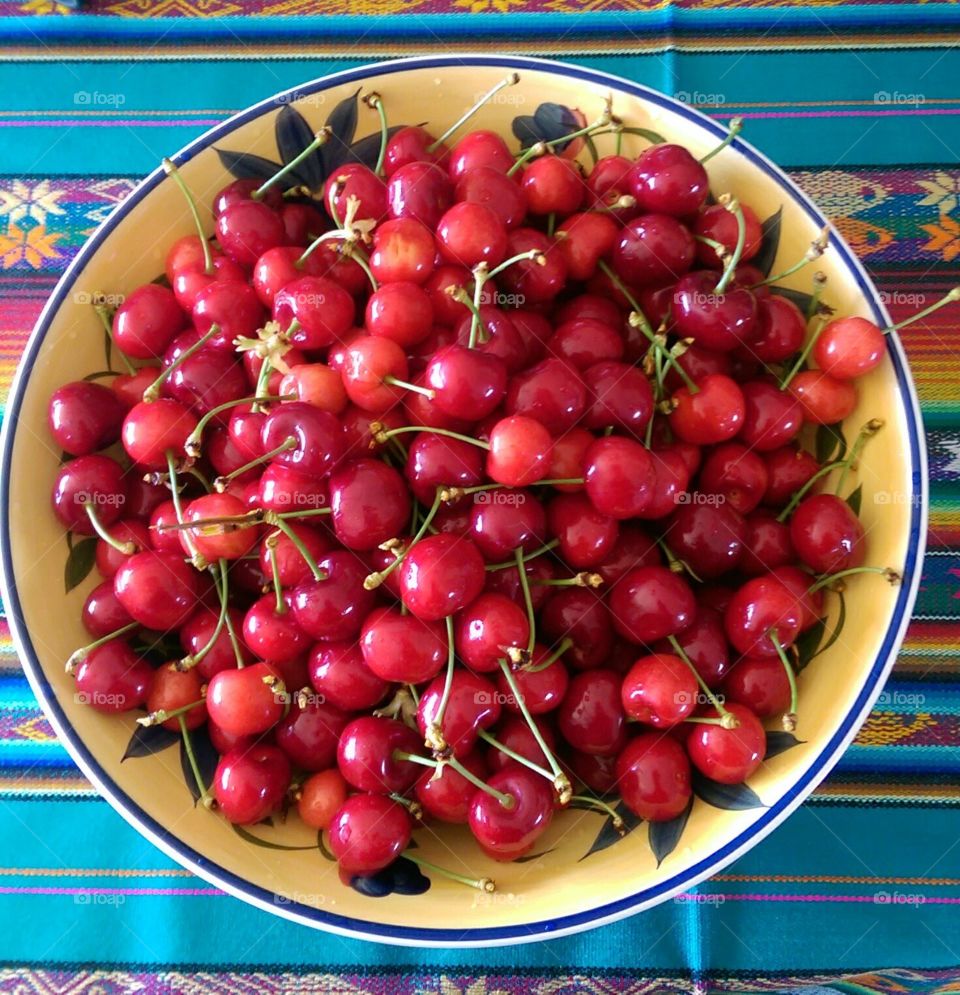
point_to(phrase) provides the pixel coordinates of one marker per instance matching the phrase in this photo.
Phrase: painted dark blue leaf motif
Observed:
(246, 165)
(765, 258)
(402, 877)
(342, 122)
(147, 740)
(608, 835)
(293, 135)
(79, 563)
(664, 836)
(732, 797)
(367, 150)
(856, 499)
(798, 297)
(779, 742)
(548, 123)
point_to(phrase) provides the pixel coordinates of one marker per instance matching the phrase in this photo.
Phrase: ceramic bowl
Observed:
(562, 890)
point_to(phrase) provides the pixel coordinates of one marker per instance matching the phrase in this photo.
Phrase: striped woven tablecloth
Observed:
(861, 103)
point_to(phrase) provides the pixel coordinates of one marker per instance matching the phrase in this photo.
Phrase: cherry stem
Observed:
(406, 385)
(527, 598)
(105, 315)
(455, 493)
(298, 543)
(375, 101)
(700, 721)
(196, 558)
(380, 436)
(718, 247)
(674, 562)
(531, 723)
(582, 579)
(551, 659)
(510, 80)
(193, 443)
(373, 581)
(735, 127)
(191, 661)
(243, 521)
(616, 819)
(733, 260)
(161, 715)
(526, 558)
(221, 483)
(870, 429)
(359, 257)
(205, 798)
(532, 255)
(953, 295)
(725, 716)
(78, 656)
(481, 884)
(127, 548)
(819, 285)
(533, 152)
(817, 248)
(434, 738)
(490, 739)
(890, 575)
(271, 545)
(802, 358)
(153, 391)
(480, 274)
(790, 719)
(170, 168)
(223, 592)
(321, 138)
(506, 800)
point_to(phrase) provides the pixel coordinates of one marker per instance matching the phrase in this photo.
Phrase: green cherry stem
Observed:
(817, 248)
(153, 391)
(434, 737)
(271, 546)
(527, 597)
(491, 740)
(819, 285)
(78, 656)
(527, 557)
(380, 435)
(192, 446)
(727, 719)
(734, 128)
(320, 139)
(487, 885)
(616, 819)
(891, 576)
(506, 800)
(790, 718)
(222, 483)
(206, 799)
(170, 168)
(406, 385)
(374, 580)
(733, 206)
(533, 152)
(162, 715)
(127, 548)
(953, 295)
(551, 659)
(374, 101)
(105, 314)
(191, 661)
(196, 558)
(277, 522)
(804, 353)
(510, 80)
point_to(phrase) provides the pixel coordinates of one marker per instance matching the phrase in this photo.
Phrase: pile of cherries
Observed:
(477, 497)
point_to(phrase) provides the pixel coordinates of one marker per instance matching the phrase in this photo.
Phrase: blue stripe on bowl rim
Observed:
(766, 820)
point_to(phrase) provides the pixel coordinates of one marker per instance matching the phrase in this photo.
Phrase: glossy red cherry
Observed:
(659, 690)
(766, 544)
(779, 330)
(448, 797)
(591, 717)
(250, 783)
(715, 413)
(215, 542)
(368, 833)
(709, 538)
(653, 777)
(473, 704)
(420, 191)
(503, 521)
(487, 628)
(585, 240)
(334, 608)
(369, 503)
(248, 228)
(788, 469)
(772, 417)
(826, 534)
(849, 348)
(735, 474)
(246, 702)
(552, 393)
(291, 566)
(580, 615)
(400, 311)
(714, 319)
(761, 684)
(729, 756)
(158, 590)
(402, 648)
(84, 417)
(112, 678)
(353, 179)
(151, 429)
(520, 451)
(440, 575)
(541, 688)
(704, 642)
(586, 536)
(508, 833)
(146, 322)
(282, 488)
(102, 612)
(322, 309)
(761, 607)
(479, 148)
(668, 179)
(274, 635)
(652, 250)
(619, 476)
(534, 281)
(96, 482)
(466, 383)
(339, 673)
(366, 755)
(824, 399)
(619, 395)
(494, 189)
(403, 249)
(651, 603)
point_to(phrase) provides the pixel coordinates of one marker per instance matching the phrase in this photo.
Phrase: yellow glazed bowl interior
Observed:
(557, 892)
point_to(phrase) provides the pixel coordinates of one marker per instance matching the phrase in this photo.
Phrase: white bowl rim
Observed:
(767, 818)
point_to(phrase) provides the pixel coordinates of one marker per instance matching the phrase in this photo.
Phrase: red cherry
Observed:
(619, 476)
(250, 783)
(334, 608)
(158, 590)
(652, 250)
(152, 428)
(245, 702)
(653, 777)
(339, 673)
(466, 383)
(368, 833)
(508, 833)
(761, 684)
(827, 535)
(369, 503)
(761, 607)
(552, 186)
(402, 648)
(772, 417)
(591, 717)
(650, 603)
(322, 309)
(146, 322)
(472, 705)
(96, 482)
(729, 756)
(668, 179)
(487, 628)
(580, 615)
(825, 401)
(849, 348)
(448, 797)
(713, 319)
(715, 413)
(403, 249)
(585, 534)
(246, 229)
(273, 635)
(84, 417)
(112, 678)
(366, 755)
(735, 474)
(717, 223)
(709, 538)
(440, 575)
(552, 393)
